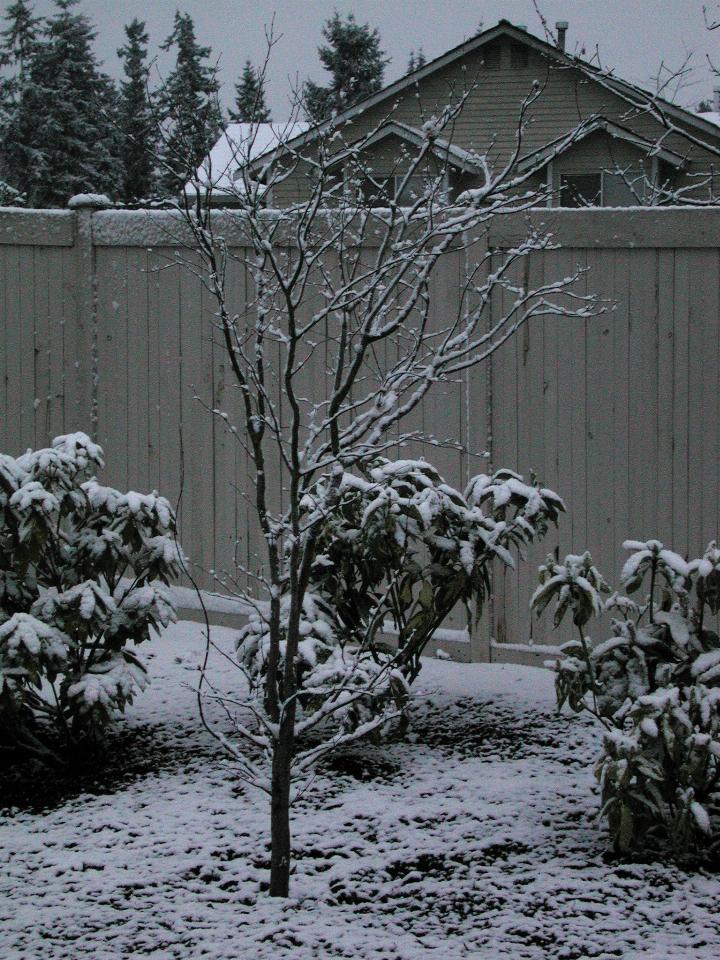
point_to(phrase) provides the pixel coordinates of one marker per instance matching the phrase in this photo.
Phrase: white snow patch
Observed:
(240, 144)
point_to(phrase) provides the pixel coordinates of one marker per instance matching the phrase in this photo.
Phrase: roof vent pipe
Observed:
(561, 26)
(716, 99)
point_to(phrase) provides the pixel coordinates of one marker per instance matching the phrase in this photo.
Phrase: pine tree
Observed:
(250, 105)
(190, 104)
(61, 138)
(356, 63)
(136, 117)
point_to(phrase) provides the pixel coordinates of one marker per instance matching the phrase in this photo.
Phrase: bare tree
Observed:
(342, 285)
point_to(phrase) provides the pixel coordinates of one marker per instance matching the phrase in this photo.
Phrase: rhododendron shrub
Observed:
(84, 579)
(654, 687)
(396, 552)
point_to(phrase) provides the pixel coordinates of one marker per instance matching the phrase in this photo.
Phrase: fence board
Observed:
(18, 439)
(621, 411)
(138, 414)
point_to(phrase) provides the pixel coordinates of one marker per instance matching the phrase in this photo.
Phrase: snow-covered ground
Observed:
(477, 838)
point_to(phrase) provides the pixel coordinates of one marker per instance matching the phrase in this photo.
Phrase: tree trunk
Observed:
(280, 812)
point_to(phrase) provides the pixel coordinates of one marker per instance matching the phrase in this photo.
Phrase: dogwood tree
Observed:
(342, 285)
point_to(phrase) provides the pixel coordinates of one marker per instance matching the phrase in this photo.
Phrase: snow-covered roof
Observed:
(238, 145)
(712, 116)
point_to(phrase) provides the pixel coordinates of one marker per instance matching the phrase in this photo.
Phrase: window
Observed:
(626, 189)
(375, 190)
(384, 188)
(491, 56)
(580, 189)
(415, 188)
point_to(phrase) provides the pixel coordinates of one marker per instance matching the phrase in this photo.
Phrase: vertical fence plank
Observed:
(27, 341)
(621, 394)
(504, 448)
(112, 359)
(14, 324)
(599, 403)
(138, 414)
(156, 262)
(708, 310)
(698, 350)
(172, 380)
(53, 421)
(642, 395)
(679, 412)
(41, 359)
(665, 392)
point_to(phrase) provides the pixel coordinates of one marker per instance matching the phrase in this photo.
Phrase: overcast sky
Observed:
(633, 36)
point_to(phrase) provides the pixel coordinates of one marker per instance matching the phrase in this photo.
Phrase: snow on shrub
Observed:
(396, 550)
(84, 572)
(349, 682)
(654, 685)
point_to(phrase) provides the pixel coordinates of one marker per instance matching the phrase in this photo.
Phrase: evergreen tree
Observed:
(136, 117)
(17, 42)
(416, 60)
(355, 62)
(19, 37)
(61, 137)
(250, 105)
(190, 103)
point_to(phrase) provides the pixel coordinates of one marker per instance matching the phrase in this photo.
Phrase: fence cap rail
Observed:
(614, 227)
(601, 227)
(37, 228)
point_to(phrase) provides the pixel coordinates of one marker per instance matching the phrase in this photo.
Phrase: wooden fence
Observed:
(101, 329)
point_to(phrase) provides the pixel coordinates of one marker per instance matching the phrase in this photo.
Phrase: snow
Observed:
(242, 143)
(477, 837)
(97, 200)
(712, 116)
(187, 599)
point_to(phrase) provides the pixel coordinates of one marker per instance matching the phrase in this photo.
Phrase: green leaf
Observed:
(425, 596)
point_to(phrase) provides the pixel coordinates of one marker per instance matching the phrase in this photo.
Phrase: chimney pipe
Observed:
(561, 26)
(716, 99)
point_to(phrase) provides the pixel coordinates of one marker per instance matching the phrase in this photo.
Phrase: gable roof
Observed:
(464, 160)
(561, 145)
(502, 28)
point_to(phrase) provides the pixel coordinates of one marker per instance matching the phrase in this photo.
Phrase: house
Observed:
(588, 136)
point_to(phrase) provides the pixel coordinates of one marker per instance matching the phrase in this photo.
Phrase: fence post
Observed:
(86, 344)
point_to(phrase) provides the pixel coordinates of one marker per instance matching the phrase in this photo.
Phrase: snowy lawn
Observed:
(477, 838)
